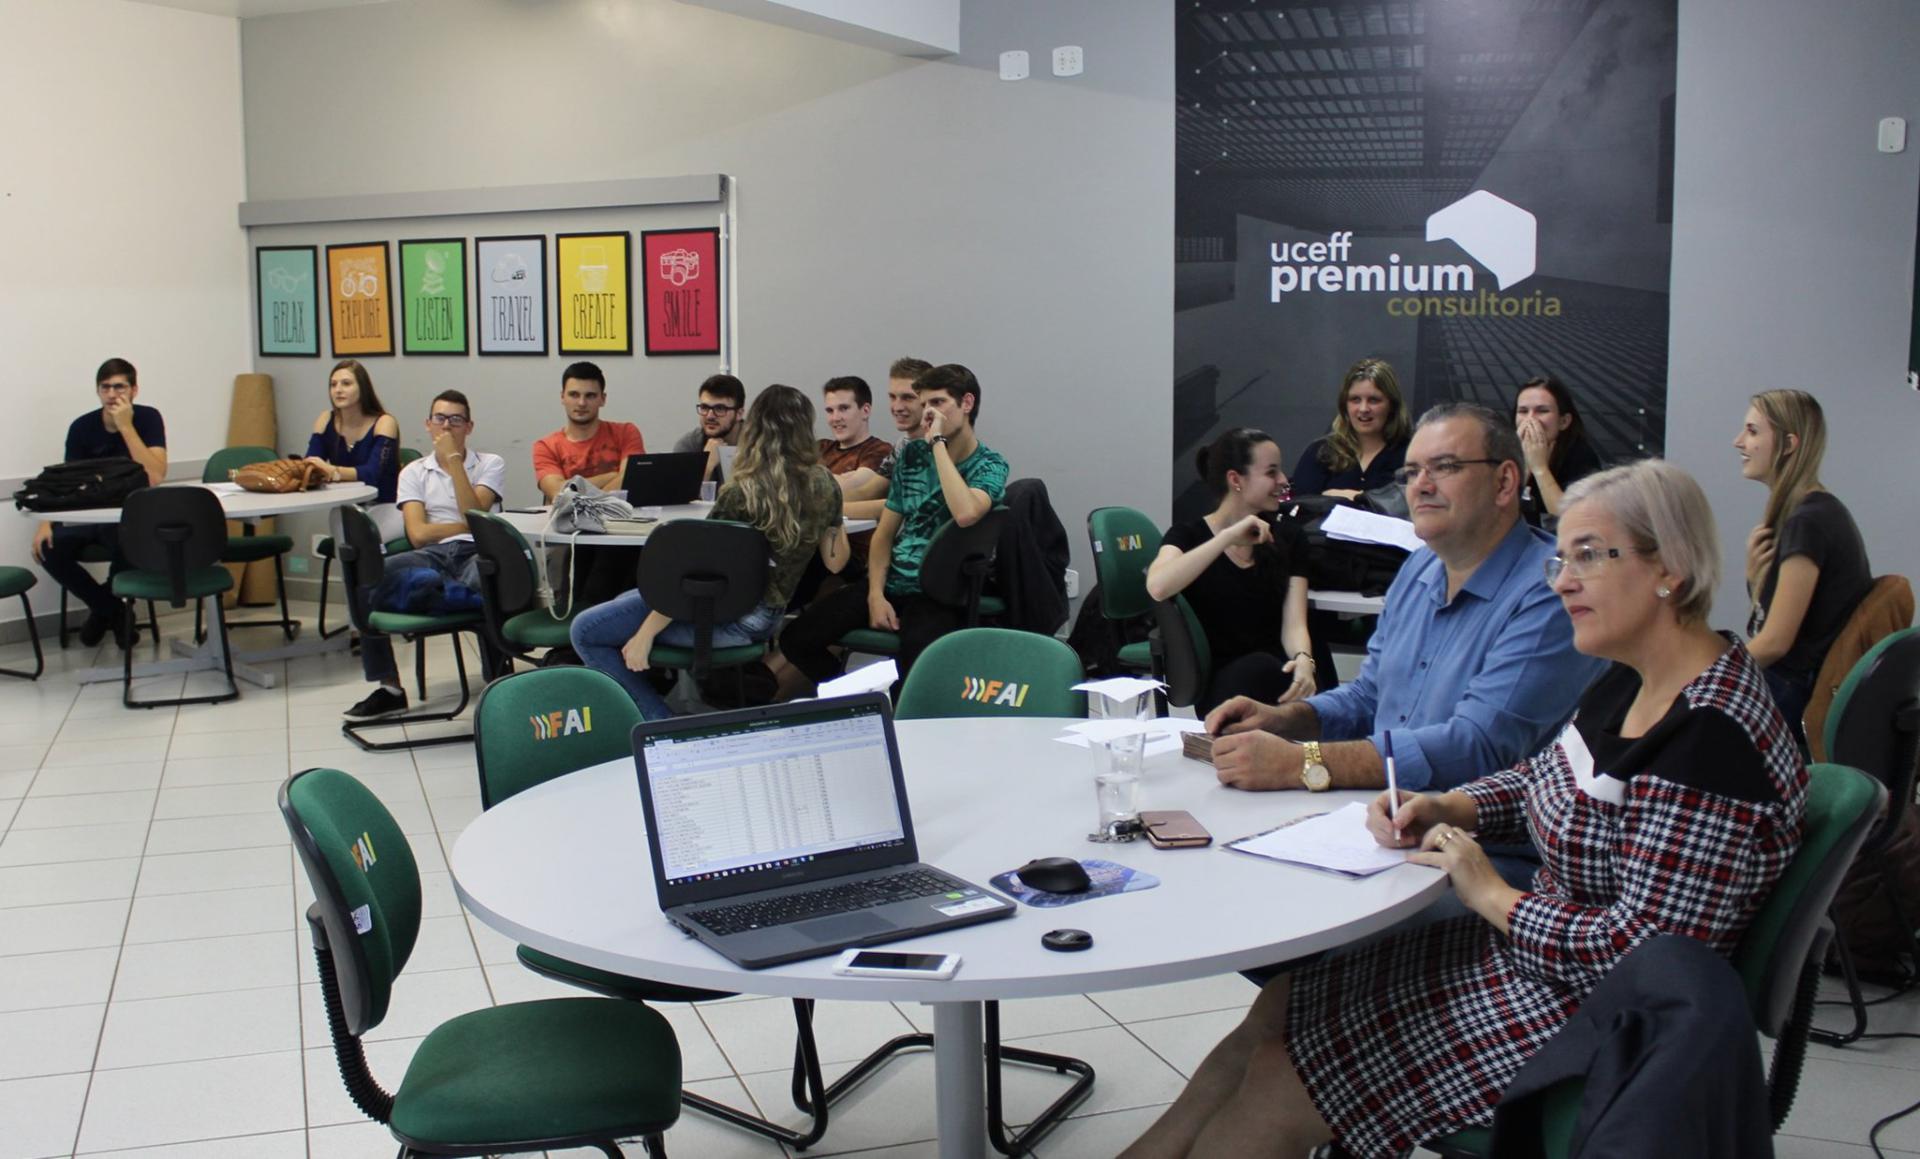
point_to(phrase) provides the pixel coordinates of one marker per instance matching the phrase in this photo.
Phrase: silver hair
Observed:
(1663, 511)
(1497, 431)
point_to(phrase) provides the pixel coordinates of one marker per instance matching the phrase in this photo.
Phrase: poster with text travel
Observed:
(510, 294)
(358, 285)
(433, 296)
(680, 297)
(287, 300)
(594, 308)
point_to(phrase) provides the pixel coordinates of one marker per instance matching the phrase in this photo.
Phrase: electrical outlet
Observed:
(1073, 584)
(297, 565)
(1067, 60)
(318, 538)
(1013, 64)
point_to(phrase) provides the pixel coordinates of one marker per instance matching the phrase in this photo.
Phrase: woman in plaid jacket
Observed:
(1671, 804)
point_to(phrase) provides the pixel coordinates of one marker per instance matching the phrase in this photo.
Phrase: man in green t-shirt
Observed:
(947, 475)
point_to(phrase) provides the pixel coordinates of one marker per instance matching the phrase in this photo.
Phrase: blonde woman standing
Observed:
(779, 487)
(1807, 565)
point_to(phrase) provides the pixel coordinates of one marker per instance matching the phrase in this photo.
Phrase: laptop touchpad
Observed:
(842, 927)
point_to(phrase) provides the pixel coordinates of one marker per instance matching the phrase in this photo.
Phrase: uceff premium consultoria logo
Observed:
(1499, 235)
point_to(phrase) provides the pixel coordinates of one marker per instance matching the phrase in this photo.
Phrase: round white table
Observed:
(246, 507)
(532, 525)
(563, 867)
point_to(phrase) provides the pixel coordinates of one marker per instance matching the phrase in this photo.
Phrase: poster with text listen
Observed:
(359, 287)
(433, 296)
(595, 306)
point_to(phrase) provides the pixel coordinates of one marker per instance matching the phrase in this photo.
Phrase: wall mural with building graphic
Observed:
(1477, 191)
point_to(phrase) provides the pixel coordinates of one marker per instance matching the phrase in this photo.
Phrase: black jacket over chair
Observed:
(1665, 1046)
(1030, 570)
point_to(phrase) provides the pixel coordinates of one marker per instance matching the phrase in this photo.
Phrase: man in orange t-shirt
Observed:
(596, 449)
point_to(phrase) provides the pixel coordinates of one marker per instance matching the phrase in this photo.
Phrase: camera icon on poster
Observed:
(679, 266)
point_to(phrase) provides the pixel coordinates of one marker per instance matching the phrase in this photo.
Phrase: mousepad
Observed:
(1107, 878)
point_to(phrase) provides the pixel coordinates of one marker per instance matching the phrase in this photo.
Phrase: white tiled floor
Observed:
(158, 996)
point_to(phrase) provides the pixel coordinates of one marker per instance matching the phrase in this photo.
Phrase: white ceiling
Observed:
(245, 8)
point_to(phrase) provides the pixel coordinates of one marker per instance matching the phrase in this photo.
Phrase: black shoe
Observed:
(95, 629)
(380, 702)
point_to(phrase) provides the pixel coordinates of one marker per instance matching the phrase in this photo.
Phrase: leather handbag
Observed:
(281, 476)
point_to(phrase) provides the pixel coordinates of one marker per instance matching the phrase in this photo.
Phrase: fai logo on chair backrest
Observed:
(562, 722)
(1005, 693)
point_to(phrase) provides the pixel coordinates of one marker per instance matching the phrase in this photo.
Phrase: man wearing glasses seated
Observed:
(435, 493)
(723, 399)
(1472, 666)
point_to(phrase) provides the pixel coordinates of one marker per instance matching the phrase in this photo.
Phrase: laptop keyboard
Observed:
(833, 899)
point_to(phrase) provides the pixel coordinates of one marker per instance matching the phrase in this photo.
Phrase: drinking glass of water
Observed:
(708, 490)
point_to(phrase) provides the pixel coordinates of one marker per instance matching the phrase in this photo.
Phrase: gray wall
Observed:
(886, 206)
(1793, 249)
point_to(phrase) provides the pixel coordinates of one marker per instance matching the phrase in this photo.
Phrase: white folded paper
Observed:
(875, 677)
(1119, 687)
(1357, 526)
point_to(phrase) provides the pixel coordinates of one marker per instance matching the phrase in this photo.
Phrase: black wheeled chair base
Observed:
(351, 729)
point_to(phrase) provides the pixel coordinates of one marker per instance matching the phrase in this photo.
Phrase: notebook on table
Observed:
(783, 832)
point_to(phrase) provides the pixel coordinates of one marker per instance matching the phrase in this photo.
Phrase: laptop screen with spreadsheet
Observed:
(745, 800)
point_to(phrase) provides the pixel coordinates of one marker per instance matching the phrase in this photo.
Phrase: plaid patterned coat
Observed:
(1681, 830)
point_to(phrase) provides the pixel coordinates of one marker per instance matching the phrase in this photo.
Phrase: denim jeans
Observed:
(600, 632)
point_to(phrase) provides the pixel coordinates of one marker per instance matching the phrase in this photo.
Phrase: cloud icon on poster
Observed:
(510, 268)
(1494, 231)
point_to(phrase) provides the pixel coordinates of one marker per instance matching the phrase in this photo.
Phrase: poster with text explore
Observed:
(510, 294)
(359, 287)
(433, 296)
(287, 300)
(680, 279)
(595, 309)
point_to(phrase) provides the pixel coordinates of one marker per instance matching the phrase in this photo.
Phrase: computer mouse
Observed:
(1054, 875)
(1067, 941)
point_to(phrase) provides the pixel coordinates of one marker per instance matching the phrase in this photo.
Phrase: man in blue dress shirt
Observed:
(1472, 666)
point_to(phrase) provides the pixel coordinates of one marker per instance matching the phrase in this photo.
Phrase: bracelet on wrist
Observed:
(938, 440)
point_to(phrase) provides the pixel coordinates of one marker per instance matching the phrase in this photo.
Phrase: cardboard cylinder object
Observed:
(251, 422)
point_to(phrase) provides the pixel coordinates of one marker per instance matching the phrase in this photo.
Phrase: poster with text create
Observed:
(287, 300)
(360, 289)
(433, 296)
(596, 311)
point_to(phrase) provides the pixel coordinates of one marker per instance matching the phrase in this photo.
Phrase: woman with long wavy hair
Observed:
(779, 487)
(1368, 440)
(1807, 565)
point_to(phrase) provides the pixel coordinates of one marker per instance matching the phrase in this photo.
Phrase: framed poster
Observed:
(595, 309)
(680, 295)
(287, 300)
(510, 293)
(359, 284)
(433, 302)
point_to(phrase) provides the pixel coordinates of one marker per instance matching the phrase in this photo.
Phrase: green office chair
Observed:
(362, 564)
(248, 547)
(510, 590)
(534, 726)
(993, 672)
(324, 549)
(173, 537)
(1124, 543)
(17, 581)
(1873, 724)
(954, 572)
(1780, 956)
(1180, 646)
(100, 553)
(563, 1072)
(998, 672)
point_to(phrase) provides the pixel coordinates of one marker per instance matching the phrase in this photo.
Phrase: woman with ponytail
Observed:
(1244, 575)
(778, 486)
(1807, 566)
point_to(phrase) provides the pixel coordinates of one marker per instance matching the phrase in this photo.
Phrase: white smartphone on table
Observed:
(896, 964)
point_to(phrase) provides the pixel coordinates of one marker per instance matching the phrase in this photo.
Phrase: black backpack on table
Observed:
(81, 484)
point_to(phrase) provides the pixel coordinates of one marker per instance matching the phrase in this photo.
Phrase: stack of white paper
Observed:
(1357, 526)
(1338, 841)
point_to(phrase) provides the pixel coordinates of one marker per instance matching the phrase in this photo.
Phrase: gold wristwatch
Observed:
(1314, 775)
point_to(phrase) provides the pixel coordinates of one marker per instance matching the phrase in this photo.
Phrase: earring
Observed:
(1663, 591)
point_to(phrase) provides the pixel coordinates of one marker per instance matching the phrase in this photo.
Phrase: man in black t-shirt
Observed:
(120, 429)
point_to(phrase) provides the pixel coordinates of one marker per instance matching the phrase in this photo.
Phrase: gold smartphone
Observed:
(1174, 829)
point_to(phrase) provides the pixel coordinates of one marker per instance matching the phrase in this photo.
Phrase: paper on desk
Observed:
(1156, 743)
(1357, 526)
(225, 488)
(1119, 687)
(876, 677)
(1120, 726)
(1338, 841)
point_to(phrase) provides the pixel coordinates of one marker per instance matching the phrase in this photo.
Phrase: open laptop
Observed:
(664, 480)
(782, 833)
